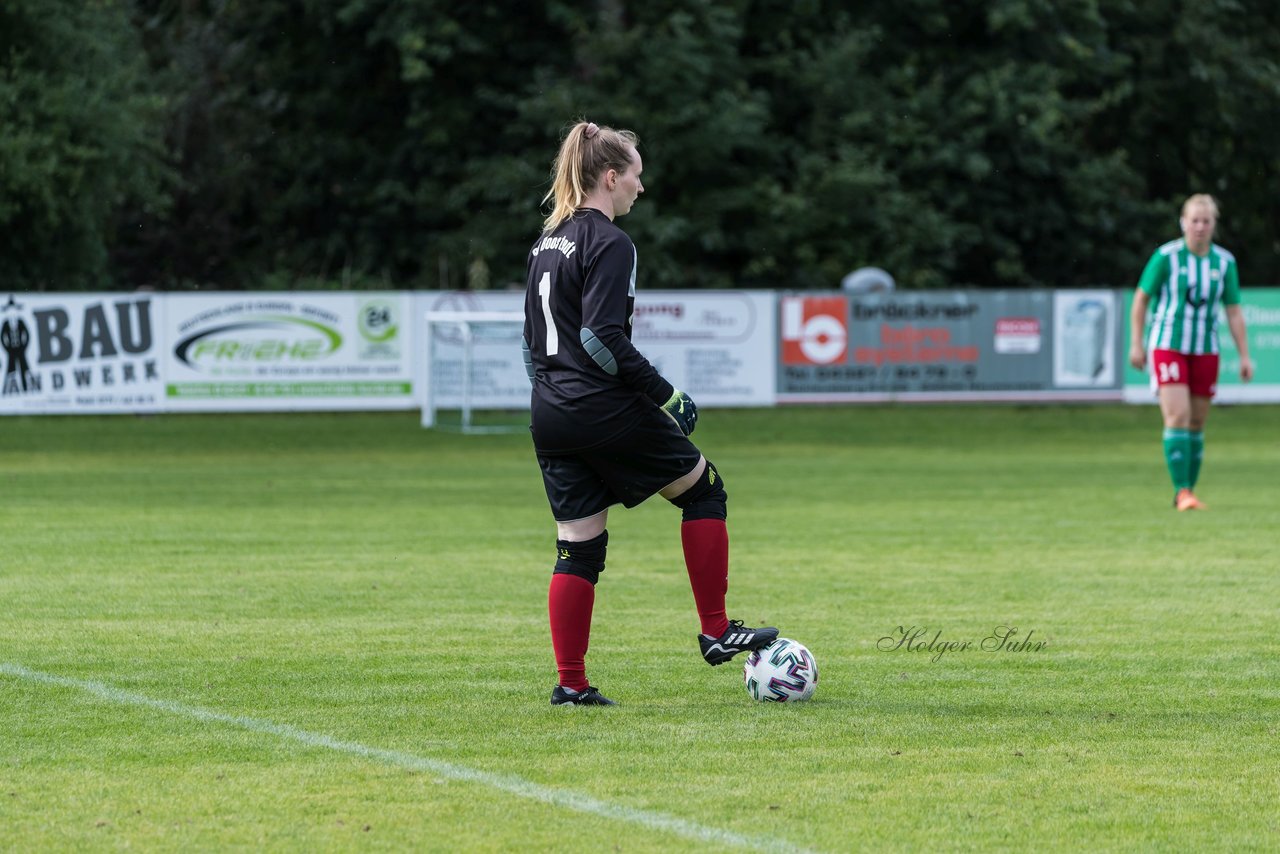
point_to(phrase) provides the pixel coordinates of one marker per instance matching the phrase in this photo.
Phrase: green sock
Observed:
(1177, 455)
(1196, 437)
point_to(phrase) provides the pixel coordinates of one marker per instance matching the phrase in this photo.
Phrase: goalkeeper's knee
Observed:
(706, 499)
(584, 558)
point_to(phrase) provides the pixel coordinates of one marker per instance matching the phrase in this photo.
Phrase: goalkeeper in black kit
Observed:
(607, 428)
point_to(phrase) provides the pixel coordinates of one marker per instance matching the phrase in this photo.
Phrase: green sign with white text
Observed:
(1261, 308)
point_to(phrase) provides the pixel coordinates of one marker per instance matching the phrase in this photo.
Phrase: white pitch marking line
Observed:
(503, 782)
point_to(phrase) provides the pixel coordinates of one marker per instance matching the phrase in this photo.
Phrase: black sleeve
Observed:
(606, 302)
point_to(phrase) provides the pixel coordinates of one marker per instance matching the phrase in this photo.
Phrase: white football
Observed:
(782, 672)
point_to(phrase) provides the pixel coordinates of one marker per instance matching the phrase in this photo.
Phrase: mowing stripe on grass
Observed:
(503, 782)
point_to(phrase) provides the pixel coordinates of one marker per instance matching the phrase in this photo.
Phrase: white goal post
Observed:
(463, 328)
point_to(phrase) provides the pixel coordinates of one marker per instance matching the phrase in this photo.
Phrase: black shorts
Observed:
(625, 470)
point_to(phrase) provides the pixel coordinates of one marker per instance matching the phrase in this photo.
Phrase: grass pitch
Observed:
(325, 632)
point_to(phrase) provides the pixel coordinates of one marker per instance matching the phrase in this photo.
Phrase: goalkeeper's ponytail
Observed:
(587, 152)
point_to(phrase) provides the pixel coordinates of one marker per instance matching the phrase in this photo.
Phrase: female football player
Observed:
(607, 428)
(1188, 278)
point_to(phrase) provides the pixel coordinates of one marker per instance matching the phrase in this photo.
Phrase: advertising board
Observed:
(288, 351)
(947, 346)
(1261, 308)
(81, 353)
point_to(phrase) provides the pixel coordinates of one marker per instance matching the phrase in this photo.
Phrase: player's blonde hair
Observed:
(1201, 199)
(587, 152)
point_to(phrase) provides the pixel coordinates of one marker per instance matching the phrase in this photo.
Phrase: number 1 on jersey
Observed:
(553, 337)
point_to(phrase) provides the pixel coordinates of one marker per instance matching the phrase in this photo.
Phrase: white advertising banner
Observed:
(720, 347)
(498, 380)
(1084, 339)
(717, 346)
(81, 354)
(236, 352)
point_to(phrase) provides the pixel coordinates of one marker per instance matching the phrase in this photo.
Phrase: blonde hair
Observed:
(1201, 199)
(587, 152)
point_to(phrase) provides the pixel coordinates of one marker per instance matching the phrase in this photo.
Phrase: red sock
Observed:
(706, 556)
(569, 603)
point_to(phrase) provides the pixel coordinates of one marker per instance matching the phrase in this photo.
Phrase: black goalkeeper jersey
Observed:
(590, 384)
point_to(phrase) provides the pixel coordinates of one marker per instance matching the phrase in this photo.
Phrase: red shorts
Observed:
(1198, 371)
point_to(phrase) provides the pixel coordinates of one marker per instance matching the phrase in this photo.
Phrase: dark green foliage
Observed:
(80, 141)
(407, 143)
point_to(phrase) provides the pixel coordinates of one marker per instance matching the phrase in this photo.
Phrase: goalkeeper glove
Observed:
(682, 410)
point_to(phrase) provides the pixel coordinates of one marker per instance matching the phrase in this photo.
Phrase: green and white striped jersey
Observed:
(1186, 290)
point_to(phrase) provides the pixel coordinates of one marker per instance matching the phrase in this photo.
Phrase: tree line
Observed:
(408, 143)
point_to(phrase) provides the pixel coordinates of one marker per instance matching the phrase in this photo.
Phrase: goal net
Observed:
(474, 378)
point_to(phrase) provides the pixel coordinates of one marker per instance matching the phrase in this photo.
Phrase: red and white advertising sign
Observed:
(815, 330)
(1017, 335)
